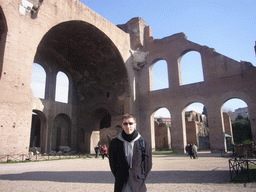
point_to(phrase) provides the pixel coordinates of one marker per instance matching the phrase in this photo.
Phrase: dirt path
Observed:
(169, 173)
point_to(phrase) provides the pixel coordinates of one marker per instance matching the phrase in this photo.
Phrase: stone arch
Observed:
(38, 136)
(95, 69)
(235, 95)
(61, 132)
(227, 118)
(3, 34)
(88, 55)
(103, 118)
(153, 132)
(197, 130)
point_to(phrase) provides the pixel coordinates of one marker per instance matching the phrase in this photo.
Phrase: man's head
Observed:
(129, 123)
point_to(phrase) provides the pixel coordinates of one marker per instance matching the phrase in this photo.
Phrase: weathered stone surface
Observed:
(95, 55)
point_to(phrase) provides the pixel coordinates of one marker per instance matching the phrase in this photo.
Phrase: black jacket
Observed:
(122, 171)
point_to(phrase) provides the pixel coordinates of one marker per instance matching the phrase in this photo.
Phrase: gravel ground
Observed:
(169, 173)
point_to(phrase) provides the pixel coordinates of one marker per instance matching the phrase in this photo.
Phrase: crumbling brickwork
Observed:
(104, 78)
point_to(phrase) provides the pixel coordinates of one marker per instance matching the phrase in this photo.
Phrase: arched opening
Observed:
(35, 131)
(191, 68)
(38, 80)
(3, 34)
(62, 88)
(160, 75)
(38, 133)
(236, 122)
(162, 129)
(101, 129)
(197, 130)
(105, 121)
(96, 72)
(61, 132)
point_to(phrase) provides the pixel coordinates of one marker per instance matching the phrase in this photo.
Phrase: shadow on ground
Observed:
(107, 177)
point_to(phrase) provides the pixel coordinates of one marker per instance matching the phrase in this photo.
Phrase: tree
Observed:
(241, 130)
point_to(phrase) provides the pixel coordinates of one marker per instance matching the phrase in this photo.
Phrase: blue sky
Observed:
(227, 26)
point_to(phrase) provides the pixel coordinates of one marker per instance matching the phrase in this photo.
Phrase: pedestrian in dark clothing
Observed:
(130, 158)
(190, 151)
(96, 149)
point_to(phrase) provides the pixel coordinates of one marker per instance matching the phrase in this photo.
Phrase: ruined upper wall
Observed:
(135, 27)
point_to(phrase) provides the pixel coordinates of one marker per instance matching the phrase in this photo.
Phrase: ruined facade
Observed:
(110, 73)
(162, 136)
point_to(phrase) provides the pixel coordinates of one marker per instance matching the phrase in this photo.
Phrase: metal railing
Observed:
(241, 167)
(39, 157)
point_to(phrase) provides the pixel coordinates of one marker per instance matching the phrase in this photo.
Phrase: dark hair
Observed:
(127, 116)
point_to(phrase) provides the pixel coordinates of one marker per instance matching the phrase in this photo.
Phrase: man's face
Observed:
(129, 125)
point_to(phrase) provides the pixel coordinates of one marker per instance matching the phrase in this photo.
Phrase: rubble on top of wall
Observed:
(171, 38)
(227, 67)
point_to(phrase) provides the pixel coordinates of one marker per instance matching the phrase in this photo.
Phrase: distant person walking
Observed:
(105, 151)
(194, 151)
(96, 149)
(189, 150)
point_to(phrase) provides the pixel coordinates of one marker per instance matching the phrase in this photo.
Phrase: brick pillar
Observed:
(178, 131)
(216, 130)
(146, 128)
(50, 87)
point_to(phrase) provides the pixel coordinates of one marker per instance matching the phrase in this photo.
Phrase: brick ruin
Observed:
(109, 69)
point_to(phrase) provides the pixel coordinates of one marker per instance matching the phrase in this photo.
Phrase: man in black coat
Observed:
(129, 163)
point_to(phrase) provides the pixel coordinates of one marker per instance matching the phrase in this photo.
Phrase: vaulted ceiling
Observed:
(90, 57)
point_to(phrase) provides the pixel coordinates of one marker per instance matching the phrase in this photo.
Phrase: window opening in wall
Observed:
(191, 68)
(38, 80)
(236, 111)
(62, 88)
(160, 75)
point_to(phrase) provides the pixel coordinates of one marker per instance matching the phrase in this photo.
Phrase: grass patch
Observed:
(166, 152)
(48, 158)
(244, 176)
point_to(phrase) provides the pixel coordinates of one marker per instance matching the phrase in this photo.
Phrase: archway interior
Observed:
(95, 66)
(61, 132)
(35, 131)
(89, 56)
(197, 130)
(162, 129)
(236, 122)
(105, 121)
